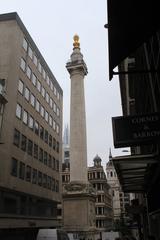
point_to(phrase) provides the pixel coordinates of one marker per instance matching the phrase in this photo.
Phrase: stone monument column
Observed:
(78, 146)
(78, 195)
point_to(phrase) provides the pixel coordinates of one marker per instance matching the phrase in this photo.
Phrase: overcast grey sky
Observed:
(52, 24)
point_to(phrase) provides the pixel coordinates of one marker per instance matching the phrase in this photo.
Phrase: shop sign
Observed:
(136, 130)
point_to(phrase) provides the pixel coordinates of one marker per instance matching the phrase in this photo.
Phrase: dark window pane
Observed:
(50, 140)
(41, 132)
(28, 173)
(57, 149)
(54, 143)
(66, 154)
(57, 165)
(49, 182)
(46, 136)
(21, 170)
(49, 161)
(36, 128)
(39, 178)
(44, 180)
(57, 186)
(45, 157)
(35, 151)
(30, 147)
(54, 163)
(41, 154)
(34, 176)
(14, 167)
(16, 139)
(53, 184)
(23, 143)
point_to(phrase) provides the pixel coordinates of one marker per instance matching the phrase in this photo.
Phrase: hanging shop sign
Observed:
(136, 130)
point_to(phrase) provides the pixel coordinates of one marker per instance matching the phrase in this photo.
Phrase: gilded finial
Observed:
(76, 43)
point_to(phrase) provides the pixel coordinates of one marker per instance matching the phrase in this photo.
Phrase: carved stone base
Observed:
(79, 208)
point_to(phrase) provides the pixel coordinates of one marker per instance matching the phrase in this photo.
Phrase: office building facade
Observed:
(31, 129)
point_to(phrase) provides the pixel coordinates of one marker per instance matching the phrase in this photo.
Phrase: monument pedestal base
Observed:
(79, 210)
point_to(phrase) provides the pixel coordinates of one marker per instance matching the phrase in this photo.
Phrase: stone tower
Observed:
(78, 195)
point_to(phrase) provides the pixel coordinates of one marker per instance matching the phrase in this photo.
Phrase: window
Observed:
(23, 64)
(25, 117)
(23, 143)
(49, 182)
(39, 178)
(54, 143)
(46, 136)
(57, 165)
(53, 184)
(54, 107)
(32, 100)
(26, 94)
(37, 106)
(41, 132)
(44, 74)
(57, 147)
(34, 176)
(28, 173)
(55, 91)
(35, 60)
(58, 95)
(48, 80)
(57, 186)
(31, 122)
(51, 85)
(25, 44)
(30, 52)
(54, 163)
(35, 151)
(42, 111)
(51, 102)
(16, 139)
(57, 129)
(50, 121)
(58, 112)
(43, 92)
(21, 170)
(44, 180)
(39, 67)
(14, 167)
(18, 111)
(50, 140)
(46, 116)
(49, 161)
(30, 147)
(29, 72)
(45, 157)
(38, 85)
(41, 155)
(54, 125)
(34, 79)
(47, 97)
(20, 86)
(36, 128)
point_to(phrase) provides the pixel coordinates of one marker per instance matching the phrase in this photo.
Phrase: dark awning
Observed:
(133, 171)
(130, 23)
